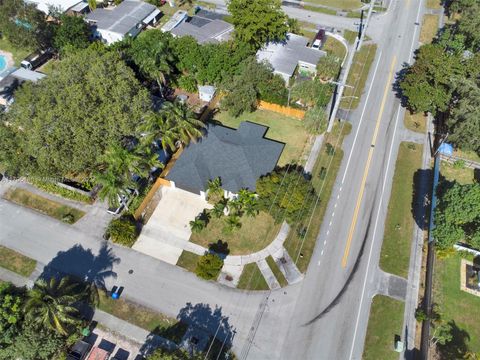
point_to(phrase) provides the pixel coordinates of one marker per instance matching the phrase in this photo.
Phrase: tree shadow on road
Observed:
(421, 197)
(199, 329)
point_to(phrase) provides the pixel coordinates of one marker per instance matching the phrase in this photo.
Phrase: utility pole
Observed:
(344, 74)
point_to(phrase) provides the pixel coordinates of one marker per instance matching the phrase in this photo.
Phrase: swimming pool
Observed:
(3, 63)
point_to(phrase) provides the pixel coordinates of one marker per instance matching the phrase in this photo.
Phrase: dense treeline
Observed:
(444, 79)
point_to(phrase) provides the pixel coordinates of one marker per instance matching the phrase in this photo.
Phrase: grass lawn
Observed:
(320, 10)
(463, 175)
(395, 255)
(16, 262)
(301, 248)
(334, 47)
(252, 278)
(415, 122)
(340, 4)
(281, 128)
(386, 320)
(429, 28)
(457, 305)
(188, 260)
(467, 155)
(143, 317)
(357, 77)
(18, 53)
(434, 4)
(350, 36)
(43, 205)
(276, 271)
(254, 235)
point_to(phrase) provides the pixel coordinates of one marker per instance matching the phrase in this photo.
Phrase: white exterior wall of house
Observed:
(108, 37)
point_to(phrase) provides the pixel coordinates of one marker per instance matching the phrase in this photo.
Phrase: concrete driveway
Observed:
(167, 232)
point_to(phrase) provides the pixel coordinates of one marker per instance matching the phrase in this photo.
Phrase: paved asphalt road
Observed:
(323, 317)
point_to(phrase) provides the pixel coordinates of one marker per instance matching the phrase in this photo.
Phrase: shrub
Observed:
(315, 121)
(323, 173)
(123, 230)
(312, 92)
(459, 164)
(54, 189)
(209, 266)
(68, 218)
(328, 67)
(329, 149)
(187, 83)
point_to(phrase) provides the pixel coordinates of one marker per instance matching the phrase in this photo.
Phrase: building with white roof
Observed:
(128, 18)
(286, 56)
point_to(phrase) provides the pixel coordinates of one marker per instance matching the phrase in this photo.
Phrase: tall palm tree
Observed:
(50, 304)
(232, 223)
(218, 209)
(183, 120)
(197, 225)
(113, 185)
(156, 126)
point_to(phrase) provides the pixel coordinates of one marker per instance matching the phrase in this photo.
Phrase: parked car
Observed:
(79, 350)
(98, 354)
(37, 59)
(319, 39)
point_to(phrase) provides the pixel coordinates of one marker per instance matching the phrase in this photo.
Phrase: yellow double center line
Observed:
(367, 166)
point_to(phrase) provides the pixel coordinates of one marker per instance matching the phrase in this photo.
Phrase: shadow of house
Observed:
(200, 329)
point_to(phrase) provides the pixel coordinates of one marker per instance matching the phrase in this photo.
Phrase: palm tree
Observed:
(197, 225)
(183, 120)
(156, 126)
(233, 222)
(92, 4)
(218, 209)
(214, 190)
(50, 304)
(113, 185)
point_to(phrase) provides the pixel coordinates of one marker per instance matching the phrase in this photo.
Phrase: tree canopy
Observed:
(257, 22)
(457, 216)
(73, 33)
(64, 123)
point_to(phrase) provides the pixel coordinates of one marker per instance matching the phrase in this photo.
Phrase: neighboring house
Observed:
(237, 157)
(60, 5)
(177, 18)
(128, 18)
(206, 92)
(205, 27)
(12, 80)
(286, 56)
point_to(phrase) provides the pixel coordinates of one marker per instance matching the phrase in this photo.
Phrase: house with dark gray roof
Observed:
(238, 157)
(128, 18)
(286, 56)
(205, 26)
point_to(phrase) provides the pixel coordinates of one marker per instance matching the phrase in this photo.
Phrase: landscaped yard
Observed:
(429, 28)
(252, 278)
(334, 47)
(276, 271)
(143, 317)
(385, 322)
(457, 305)
(255, 234)
(350, 36)
(301, 247)
(16, 262)
(281, 128)
(357, 77)
(451, 172)
(188, 260)
(415, 122)
(46, 206)
(395, 255)
(340, 4)
(468, 155)
(18, 53)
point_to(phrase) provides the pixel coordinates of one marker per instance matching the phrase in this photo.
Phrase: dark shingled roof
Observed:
(237, 157)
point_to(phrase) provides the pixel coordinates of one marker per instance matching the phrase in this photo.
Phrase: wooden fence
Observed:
(284, 110)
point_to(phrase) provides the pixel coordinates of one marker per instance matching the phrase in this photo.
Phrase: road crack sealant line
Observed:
(336, 145)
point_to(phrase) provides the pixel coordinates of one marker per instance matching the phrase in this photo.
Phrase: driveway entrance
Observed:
(168, 230)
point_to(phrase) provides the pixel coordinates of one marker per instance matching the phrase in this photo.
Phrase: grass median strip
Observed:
(385, 322)
(16, 262)
(357, 77)
(395, 255)
(276, 271)
(143, 317)
(252, 278)
(415, 122)
(429, 28)
(188, 260)
(43, 205)
(301, 239)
